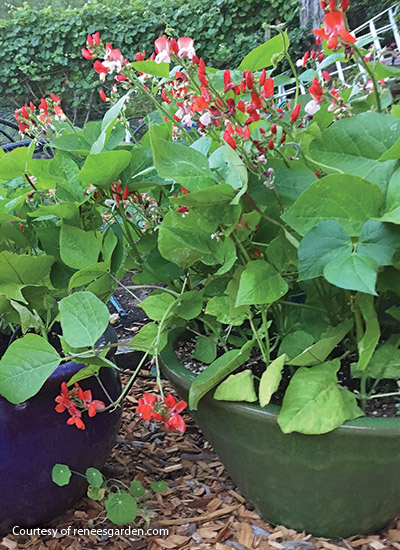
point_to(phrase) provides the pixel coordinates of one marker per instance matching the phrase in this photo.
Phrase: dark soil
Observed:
(380, 407)
(132, 318)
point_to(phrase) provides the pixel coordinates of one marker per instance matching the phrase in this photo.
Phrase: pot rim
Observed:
(363, 426)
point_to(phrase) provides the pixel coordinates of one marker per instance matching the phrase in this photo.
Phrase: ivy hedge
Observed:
(41, 48)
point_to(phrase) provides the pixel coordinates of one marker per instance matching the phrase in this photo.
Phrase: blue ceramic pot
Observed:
(34, 437)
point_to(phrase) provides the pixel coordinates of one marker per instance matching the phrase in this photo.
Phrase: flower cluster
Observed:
(334, 31)
(38, 120)
(165, 410)
(75, 402)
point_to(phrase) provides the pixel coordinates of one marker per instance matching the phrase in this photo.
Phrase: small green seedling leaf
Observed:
(94, 477)
(159, 486)
(136, 489)
(61, 474)
(121, 508)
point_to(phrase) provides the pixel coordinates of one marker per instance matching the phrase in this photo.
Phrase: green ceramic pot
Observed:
(338, 484)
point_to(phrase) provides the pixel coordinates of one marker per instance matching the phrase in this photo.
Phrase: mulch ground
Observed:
(202, 508)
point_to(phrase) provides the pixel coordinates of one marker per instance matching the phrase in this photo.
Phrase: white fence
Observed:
(381, 28)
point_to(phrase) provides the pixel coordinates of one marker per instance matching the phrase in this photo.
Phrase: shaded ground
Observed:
(201, 508)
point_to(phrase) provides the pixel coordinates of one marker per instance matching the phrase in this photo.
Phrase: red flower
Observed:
(125, 193)
(271, 144)
(146, 405)
(87, 54)
(102, 95)
(249, 80)
(334, 28)
(326, 76)
(96, 38)
(99, 67)
(199, 104)
(183, 210)
(262, 77)
(345, 5)
(268, 88)
(229, 139)
(316, 90)
(55, 98)
(174, 46)
(295, 113)
(256, 100)
(228, 84)
(43, 105)
(184, 190)
(273, 129)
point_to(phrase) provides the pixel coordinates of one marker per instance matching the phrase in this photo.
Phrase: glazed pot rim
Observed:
(172, 366)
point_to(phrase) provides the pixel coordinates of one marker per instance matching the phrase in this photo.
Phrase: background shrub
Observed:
(41, 47)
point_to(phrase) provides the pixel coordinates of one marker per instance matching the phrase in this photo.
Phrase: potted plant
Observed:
(276, 245)
(62, 252)
(267, 228)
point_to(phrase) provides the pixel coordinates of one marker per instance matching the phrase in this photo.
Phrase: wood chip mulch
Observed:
(201, 508)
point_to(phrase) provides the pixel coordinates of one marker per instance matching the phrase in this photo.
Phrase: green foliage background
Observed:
(41, 48)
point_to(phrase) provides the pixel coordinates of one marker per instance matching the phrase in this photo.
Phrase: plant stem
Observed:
(266, 335)
(257, 337)
(370, 73)
(378, 395)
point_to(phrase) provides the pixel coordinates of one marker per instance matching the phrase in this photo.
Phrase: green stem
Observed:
(128, 232)
(257, 337)
(370, 73)
(266, 335)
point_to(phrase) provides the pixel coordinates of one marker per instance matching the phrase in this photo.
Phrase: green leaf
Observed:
(146, 339)
(72, 143)
(265, 55)
(95, 493)
(18, 270)
(281, 253)
(260, 284)
(121, 508)
(205, 350)
(370, 339)
(227, 162)
(379, 241)
(156, 305)
(153, 68)
(216, 194)
(15, 163)
(183, 164)
(324, 243)
(318, 352)
(187, 240)
(27, 318)
(159, 486)
(104, 168)
(314, 403)
(270, 379)
(94, 477)
(136, 489)
(78, 248)
(353, 273)
(83, 319)
(189, 305)
(349, 200)
(87, 275)
(61, 474)
(226, 313)
(25, 367)
(294, 343)
(356, 144)
(217, 371)
(237, 387)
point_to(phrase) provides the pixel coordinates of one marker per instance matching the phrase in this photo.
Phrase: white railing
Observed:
(382, 27)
